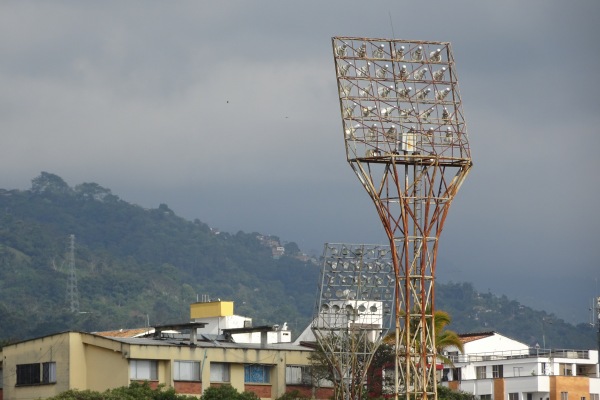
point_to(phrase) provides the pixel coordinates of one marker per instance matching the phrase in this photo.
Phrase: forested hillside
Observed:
(135, 264)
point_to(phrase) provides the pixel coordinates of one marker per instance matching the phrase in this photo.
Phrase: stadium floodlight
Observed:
(353, 311)
(419, 74)
(436, 55)
(384, 91)
(417, 54)
(412, 165)
(378, 53)
(439, 74)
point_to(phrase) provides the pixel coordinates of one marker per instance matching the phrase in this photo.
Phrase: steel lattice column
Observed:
(406, 141)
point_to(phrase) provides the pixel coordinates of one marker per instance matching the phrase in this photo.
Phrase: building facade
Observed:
(188, 362)
(495, 367)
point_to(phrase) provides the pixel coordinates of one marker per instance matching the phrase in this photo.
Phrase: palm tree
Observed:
(445, 338)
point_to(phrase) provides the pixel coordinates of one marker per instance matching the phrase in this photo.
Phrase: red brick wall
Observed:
(187, 387)
(260, 390)
(306, 391)
(153, 384)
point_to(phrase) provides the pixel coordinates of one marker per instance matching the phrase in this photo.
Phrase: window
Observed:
(564, 395)
(497, 371)
(186, 371)
(257, 373)
(513, 396)
(480, 371)
(485, 397)
(219, 372)
(594, 396)
(143, 370)
(298, 375)
(544, 368)
(456, 374)
(35, 374)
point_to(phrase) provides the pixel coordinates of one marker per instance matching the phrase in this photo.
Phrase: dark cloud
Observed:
(228, 113)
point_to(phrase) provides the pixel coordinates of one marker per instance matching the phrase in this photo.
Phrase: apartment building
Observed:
(216, 348)
(495, 367)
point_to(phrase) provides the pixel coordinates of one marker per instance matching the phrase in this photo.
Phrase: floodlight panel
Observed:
(421, 78)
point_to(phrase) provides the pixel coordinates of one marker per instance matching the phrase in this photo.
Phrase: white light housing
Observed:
(372, 133)
(439, 74)
(391, 132)
(419, 74)
(445, 116)
(442, 93)
(363, 71)
(425, 114)
(417, 55)
(365, 92)
(381, 72)
(383, 91)
(398, 54)
(449, 136)
(435, 56)
(403, 73)
(349, 110)
(387, 111)
(429, 132)
(345, 90)
(343, 69)
(350, 132)
(362, 50)
(340, 51)
(378, 52)
(404, 92)
(368, 110)
(422, 94)
(407, 112)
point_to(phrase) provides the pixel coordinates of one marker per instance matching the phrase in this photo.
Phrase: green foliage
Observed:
(445, 393)
(132, 265)
(293, 395)
(135, 264)
(135, 391)
(227, 392)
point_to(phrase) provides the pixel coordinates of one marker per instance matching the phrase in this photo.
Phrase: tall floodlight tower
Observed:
(354, 311)
(406, 141)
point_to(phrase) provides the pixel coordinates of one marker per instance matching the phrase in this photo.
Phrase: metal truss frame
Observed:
(406, 140)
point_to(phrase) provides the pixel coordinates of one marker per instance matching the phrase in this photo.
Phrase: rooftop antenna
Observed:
(72, 292)
(409, 148)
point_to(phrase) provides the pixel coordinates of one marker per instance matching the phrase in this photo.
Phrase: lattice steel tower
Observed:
(354, 311)
(72, 291)
(406, 141)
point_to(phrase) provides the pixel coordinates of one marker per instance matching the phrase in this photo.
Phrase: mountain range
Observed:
(128, 266)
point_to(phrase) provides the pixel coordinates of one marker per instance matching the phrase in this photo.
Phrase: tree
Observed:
(49, 183)
(135, 391)
(445, 338)
(227, 392)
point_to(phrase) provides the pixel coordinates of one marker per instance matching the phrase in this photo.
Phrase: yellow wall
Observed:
(53, 348)
(86, 361)
(211, 309)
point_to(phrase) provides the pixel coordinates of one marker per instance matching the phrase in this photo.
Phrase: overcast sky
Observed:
(227, 111)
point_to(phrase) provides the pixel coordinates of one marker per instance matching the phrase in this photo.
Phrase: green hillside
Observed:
(135, 264)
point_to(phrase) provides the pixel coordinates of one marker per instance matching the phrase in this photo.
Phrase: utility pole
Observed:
(72, 292)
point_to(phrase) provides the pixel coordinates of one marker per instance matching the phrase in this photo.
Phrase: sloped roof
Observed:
(125, 333)
(471, 337)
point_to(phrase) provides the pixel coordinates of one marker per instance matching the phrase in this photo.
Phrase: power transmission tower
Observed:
(72, 292)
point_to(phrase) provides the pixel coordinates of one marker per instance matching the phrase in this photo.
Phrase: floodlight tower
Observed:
(354, 311)
(406, 141)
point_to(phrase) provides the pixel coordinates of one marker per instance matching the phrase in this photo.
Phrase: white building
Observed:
(495, 367)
